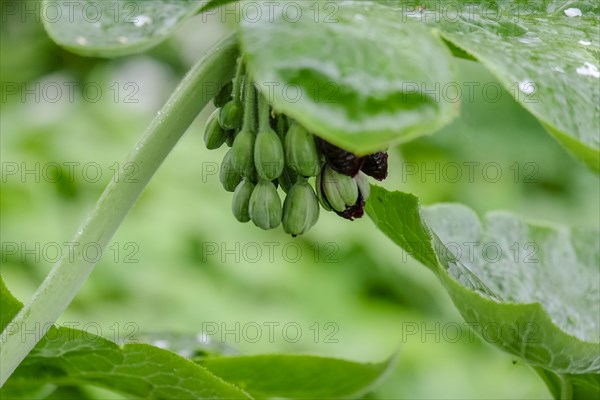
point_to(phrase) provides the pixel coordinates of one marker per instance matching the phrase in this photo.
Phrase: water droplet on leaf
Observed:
(161, 344)
(142, 20)
(527, 87)
(202, 338)
(529, 39)
(573, 12)
(589, 69)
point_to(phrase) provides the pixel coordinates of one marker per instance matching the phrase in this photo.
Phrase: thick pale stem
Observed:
(238, 81)
(566, 389)
(250, 108)
(69, 273)
(264, 112)
(560, 386)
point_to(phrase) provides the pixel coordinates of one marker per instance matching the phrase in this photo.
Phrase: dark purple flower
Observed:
(340, 160)
(355, 211)
(376, 165)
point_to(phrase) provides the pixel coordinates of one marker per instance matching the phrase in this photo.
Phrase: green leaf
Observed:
(192, 347)
(350, 72)
(72, 357)
(212, 4)
(547, 60)
(345, 70)
(114, 28)
(10, 305)
(299, 377)
(534, 291)
(584, 386)
(68, 357)
(45, 392)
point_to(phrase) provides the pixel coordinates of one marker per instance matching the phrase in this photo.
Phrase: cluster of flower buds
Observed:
(269, 151)
(343, 185)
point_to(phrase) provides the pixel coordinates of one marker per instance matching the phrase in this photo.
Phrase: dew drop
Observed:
(527, 87)
(202, 338)
(589, 69)
(142, 20)
(584, 43)
(185, 353)
(81, 40)
(530, 39)
(466, 277)
(161, 344)
(573, 12)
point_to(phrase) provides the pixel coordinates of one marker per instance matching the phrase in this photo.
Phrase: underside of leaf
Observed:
(532, 290)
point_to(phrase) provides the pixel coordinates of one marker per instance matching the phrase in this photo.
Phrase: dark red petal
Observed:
(355, 211)
(376, 165)
(340, 160)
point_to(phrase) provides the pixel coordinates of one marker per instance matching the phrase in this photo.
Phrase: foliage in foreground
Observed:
(542, 309)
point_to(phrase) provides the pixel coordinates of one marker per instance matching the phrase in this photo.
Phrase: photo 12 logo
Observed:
(94, 13)
(56, 91)
(467, 11)
(453, 332)
(88, 331)
(251, 12)
(469, 172)
(67, 171)
(469, 92)
(476, 252)
(269, 252)
(254, 332)
(52, 252)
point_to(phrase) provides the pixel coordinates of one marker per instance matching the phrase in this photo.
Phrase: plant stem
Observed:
(250, 108)
(560, 386)
(566, 389)
(264, 112)
(62, 283)
(237, 84)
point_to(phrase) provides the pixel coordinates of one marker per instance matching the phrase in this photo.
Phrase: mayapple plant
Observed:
(319, 151)
(258, 163)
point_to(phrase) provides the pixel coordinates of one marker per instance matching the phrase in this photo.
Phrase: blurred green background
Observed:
(181, 263)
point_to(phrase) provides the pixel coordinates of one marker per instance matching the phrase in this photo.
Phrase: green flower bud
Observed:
(241, 200)
(268, 155)
(230, 136)
(242, 154)
(214, 135)
(340, 190)
(287, 179)
(265, 206)
(231, 115)
(228, 175)
(224, 95)
(300, 209)
(363, 185)
(320, 195)
(301, 151)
